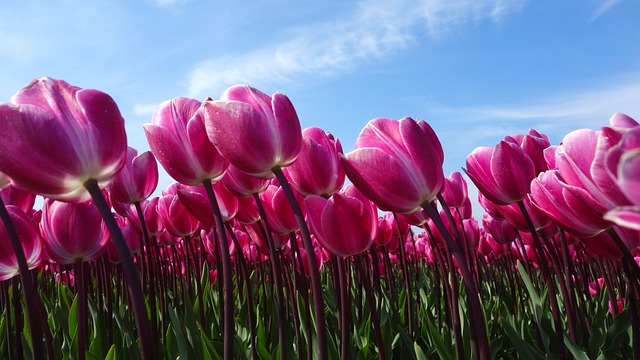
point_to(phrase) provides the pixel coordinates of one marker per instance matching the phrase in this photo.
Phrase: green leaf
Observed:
(420, 355)
(574, 349)
(525, 351)
(111, 355)
(613, 336)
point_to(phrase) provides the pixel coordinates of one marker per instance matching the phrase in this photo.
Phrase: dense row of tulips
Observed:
(259, 250)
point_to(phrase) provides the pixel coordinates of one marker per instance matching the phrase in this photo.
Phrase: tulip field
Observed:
(275, 243)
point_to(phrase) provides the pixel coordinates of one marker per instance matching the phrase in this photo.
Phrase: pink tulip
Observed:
(582, 169)
(56, 137)
(242, 185)
(254, 131)
(177, 219)
(278, 211)
(73, 232)
(12, 195)
(195, 199)
(345, 224)
(502, 174)
(152, 218)
(553, 197)
(534, 144)
(29, 239)
(396, 164)
(178, 140)
(623, 163)
(455, 192)
(137, 180)
(500, 230)
(317, 171)
(247, 210)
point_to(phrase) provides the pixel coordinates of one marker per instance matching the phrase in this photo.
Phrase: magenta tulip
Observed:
(137, 180)
(178, 140)
(242, 185)
(278, 211)
(12, 195)
(195, 199)
(550, 195)
(345, 224)
(57, 137)
(254, 131)
(73, 232)
(29, 239)
(502, 174)
(317, 171)
(455, 191)
(177, 219)
(396, 164)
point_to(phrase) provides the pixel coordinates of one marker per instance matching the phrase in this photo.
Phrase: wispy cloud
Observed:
(603, 7)
(569, 108)
(372, 30)
(167, 3)
(144, 109)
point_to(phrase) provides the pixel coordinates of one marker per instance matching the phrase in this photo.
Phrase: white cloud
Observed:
(167, 3)
(570, 108)
(144, 109)
(373, 29)
(603, 7)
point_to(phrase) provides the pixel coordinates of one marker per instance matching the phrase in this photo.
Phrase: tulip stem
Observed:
(277, 274)
(150, 266)
(148, 344)
(546, 274)
(228, 326)
(478, 324)
(316, 286)
(30, 295)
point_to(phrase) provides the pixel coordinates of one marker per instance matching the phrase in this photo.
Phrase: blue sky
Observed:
(475, 70)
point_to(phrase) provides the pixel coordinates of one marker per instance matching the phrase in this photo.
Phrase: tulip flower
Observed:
(502, 174)
(396, 164)
(152, 218)
(455, 191)
(73, 232)
(242, 185)
(12, 195)
(550, 195)
(137, 180)
(254, 131)
(623, 163)
(178, 140)
(317, 171)
(56, 137)
(500, 230)
(29, 239)
(278, 211)
(344, 224)
(177, 219)
(195, 199)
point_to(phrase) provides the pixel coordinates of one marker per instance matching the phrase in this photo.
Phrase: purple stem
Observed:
(316, 286)
(148, 344)
(228, 326)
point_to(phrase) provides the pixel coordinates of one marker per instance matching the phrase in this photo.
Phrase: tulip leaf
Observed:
(524, 350)
(614, 335)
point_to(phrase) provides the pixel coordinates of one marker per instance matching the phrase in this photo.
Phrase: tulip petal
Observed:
(382, 178)
(626, 216)
(242, 135)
